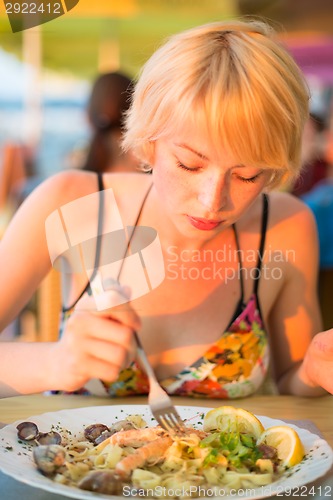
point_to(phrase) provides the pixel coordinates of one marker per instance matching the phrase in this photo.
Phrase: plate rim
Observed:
(71, 492)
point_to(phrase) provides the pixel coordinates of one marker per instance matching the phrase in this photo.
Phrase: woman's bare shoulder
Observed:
(57, 190)
(70, 184)
(128, 184)
(290, 216)
(129, 190)
(285, 205)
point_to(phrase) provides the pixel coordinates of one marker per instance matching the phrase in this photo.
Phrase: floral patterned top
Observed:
(235, 366)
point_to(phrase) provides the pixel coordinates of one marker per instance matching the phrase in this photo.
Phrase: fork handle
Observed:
(143, 358)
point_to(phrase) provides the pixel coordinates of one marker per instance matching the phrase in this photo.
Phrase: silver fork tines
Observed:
(160, 403)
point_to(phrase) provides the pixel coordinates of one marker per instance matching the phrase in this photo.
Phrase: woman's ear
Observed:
(145, 155)
(277, 179)
(148, 156)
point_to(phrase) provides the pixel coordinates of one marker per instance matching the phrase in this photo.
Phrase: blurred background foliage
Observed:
(106, 34)
(47, 71)
(77, 44)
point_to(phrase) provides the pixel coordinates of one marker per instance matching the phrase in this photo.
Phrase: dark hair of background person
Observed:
(109, 100)
(315, 165)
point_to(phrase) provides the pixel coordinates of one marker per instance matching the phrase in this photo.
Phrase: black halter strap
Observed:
(257, 269)
(101, 206)
(262, 244)
(98, 243)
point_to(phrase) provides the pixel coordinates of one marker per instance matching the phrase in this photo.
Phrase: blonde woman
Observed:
(217, 116)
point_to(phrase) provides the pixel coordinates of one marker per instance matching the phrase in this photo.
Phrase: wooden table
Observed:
(318, 410)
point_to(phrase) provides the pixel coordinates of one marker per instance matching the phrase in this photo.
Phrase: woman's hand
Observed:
(318, 362)
(96, 344)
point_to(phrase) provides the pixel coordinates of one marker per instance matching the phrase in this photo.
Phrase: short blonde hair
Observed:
(234, 79)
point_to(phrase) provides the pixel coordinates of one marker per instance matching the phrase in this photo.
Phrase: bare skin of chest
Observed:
(194, 305)
(183, 318)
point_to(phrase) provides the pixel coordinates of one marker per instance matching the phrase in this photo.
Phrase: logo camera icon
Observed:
(87, 236)
(25, 14)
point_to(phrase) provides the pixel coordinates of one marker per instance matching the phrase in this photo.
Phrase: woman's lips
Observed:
(204, 224)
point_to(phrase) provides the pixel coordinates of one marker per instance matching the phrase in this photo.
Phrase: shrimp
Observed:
(133, 437)
(198, 432)
(152, 452)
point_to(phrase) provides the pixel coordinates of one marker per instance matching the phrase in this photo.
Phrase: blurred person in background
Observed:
(16, 168)
(314, 162)
(320, 200)
(16, 171)
(109, 100)
(12, 173)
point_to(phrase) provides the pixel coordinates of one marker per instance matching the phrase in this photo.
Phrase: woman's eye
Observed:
(188, 169)
(249, 179)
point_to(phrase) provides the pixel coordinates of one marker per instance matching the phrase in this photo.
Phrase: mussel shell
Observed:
(51, 437)
(105, 435)
(27, 431)
(49, 458)
(122, 425)
(102, 482)
(94, 431)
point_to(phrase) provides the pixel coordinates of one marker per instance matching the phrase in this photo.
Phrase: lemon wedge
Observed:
(230, 419)
(289, 447)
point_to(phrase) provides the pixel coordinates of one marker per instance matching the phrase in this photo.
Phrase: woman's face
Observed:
(202, 190)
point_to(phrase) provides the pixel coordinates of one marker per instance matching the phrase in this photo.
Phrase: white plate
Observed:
(19, 464)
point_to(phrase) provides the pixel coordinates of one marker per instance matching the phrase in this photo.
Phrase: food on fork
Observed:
(231, 451)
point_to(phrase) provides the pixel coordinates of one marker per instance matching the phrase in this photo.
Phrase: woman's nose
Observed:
(213, 194)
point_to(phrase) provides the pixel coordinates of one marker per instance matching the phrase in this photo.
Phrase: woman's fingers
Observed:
(98, 340)
(77, 375)
(324, 344)
(114, 341)
(96, 326)
(318, 361)
(116, 306)
(112, 354)
(94, 346)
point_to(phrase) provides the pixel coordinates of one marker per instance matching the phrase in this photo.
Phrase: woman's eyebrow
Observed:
(202, 156)
(185, 146)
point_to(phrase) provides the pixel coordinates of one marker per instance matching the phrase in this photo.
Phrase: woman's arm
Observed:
(24, 253)
(295, 317)
(93, 344)
(24, 257)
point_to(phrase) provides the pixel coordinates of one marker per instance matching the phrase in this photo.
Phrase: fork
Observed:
(160, 403)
